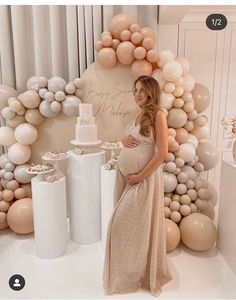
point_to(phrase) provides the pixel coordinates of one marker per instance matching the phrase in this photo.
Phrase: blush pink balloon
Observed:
(115, 43)
(105, 33)
(136, 38)
(107, 57)
(98, 46)
(148, 43)
(125, 53)
(152, 56)
(172, 71)
(134, 28)
(141, 67)
(125, 35)
(164, 57)
(119, 23)
(107, 40)
(140, 53)
(148, 32)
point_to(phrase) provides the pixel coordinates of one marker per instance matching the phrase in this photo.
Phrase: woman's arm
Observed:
(129, 141)
(161, 132)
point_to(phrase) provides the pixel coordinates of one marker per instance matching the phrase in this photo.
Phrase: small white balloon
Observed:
(60, 96)
(7, 113)
(33, 83)
(46, 111)
(56, 84)
(8, 176)
(55, 106)
(43, 82)
(78, 83)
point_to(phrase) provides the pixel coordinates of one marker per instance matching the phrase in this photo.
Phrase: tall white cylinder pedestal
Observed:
(49, 212)
(107, 199)
(84, 186)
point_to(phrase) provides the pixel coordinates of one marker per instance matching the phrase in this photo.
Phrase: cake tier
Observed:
(86, 133)
(85, 121)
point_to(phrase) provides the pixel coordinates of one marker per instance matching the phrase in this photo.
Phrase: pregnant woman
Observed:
(136, 239)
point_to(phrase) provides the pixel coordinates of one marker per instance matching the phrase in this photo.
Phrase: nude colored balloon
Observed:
(181, 135)
(191, 139)
(125, 35)
(70, 106)
(3, 220)
(176, 118)
(15, 106)
(198, 232)
(139, 53)
(28, 190)
(26, 134)
(186, 152)
(7, 137)
(20, 175)
(16, 121)
(147, 32)
(45, 109)
(208, 155)
(20, 216)
(29, 99)
(157, 74)
(172, 71)
(184, 63)
(107, 57)
(115, 43)
(170, 182)
(201, 96)
(7, 113)
(98, 46)
(148, 43)
(134, 28)
(141, 67)
(12, 185)
(166, 100)
(172, 235)
(165, 57)
(201, 132)
(136, 38)
(4, 206)
(34, 117)
(106, 40)
(20, 193)
(56, 84)
(206, 208)
(188, 83)
(189, 171)
(119, 23)
(19, 154)
(5, 93)
(152, 56)
(125, 53)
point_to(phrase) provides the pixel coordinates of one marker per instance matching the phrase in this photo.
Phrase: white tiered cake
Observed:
(86, 129)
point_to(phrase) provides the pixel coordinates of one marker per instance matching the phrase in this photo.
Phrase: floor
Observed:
(78, 273)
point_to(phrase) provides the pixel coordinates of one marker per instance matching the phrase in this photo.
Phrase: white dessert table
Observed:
(50, 220)
(84, 193)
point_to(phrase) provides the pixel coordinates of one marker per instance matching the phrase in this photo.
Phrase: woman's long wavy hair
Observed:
(152, 89)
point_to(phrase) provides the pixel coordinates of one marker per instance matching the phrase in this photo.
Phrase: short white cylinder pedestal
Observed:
(49, 212)
(84, 186)
(107, 199)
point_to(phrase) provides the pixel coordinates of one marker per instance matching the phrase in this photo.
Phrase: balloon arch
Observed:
(189, 200)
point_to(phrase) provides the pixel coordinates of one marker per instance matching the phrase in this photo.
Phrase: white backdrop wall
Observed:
(56, 40)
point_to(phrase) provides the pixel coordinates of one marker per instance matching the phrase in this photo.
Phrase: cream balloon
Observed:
(184, 63)
(166, 100)
(7, 137)
(19, 154)
(5, 93)
(206, 208)
(189, 171)
(33, 84)
(26, 134)
(34, 117)
(186, 152)
(198, 232)
(188, 83)
(119, 23)
(172, 235)
(125, 53)
(176, 118)
(181, 135)
(107, 57)
(45, 109)
(208, 155)
(172, 71)
(165, 57)
(70, 106)
(157, 74)
(16, 121)
(201, 132)
(56, 84)
(141, 67)
(191, 139)
(201, 96)
(29, 99)
(170, 182)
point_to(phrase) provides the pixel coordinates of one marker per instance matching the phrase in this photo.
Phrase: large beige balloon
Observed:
(19, 154)
(16, 121)
(7, 137)
(172, 235)
(125, 53)
(208, 155)
(201, 96)
(119, 23)
(198, 232)
(172, 71)
(186, 152)
(141, 67)
(20, 216)
(26, 134)
(107, 57)
(34, 117)
(29, 99)
(5, 93)
(157, 74)
(166, 99)
(176, 118)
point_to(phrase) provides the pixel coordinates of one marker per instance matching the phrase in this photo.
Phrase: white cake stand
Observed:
(40, 175)
(55, 162)
(76, 143)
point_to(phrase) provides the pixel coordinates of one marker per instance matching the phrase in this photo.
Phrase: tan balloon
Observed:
(176, 118)
(119, 23)
(148, 43)
(136, 38)
(4, 206)
(201, 132)
(34, 117)
(140, 53)
(107, 57)
(106, 40)
(115, 43)
(5, 93)
(125, 53)
(201, 96)
(125, 35)
(148, 32)
(208, 155)
(28, 190)
(3, 220)
(181, 135)
(141, 67)
(29, 99)
(98, 46)
(198, 232)
(166, 100)
(172, 235)
(134, 28)
(20, 216)
(152, 56)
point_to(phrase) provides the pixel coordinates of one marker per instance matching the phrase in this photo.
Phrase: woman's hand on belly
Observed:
(133, 179)
(129, 141)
